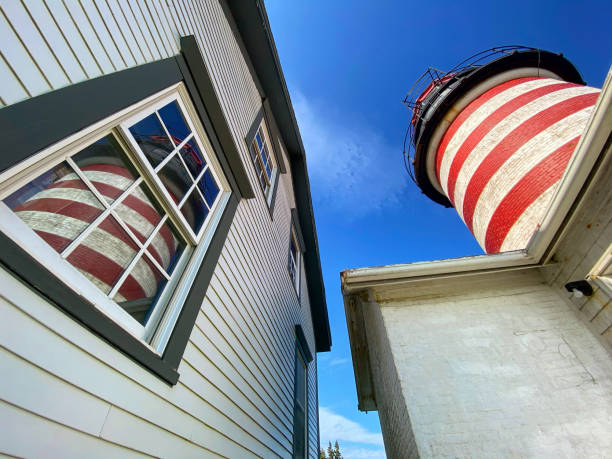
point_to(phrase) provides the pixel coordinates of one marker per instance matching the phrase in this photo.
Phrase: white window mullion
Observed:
(125, 274)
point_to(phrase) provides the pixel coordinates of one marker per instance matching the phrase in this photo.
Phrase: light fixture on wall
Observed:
(579, 288)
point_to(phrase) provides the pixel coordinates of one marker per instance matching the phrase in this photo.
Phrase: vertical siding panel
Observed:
(127, 31)
(89, 35)
(20, 61)
(136, 28)
(115, 32)
(166, 26)
(280, 330)
(234, 353)
(35, 44)
(55, 40)
(101, 30)
(11, 89)
(238, 373)
(145, 29)
(148, 10)
(170, 23)
(225, 326)
(74, 39)
(51, 438)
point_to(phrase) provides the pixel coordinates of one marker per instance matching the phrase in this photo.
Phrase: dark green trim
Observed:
(301, 348)
(303, 344)
(180, 335)
(34, 124)
(312, 262)
(254, 126)
(275, 136)
(206, 91)
(15, 259)
(273, 195)
(207, 123)
(261, 114)
(295, 222)
(51, 117)
(245, 55)
(253, 27)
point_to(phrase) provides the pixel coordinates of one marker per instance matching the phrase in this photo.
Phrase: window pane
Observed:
(193, 158)
(176, 179)
(152, 139)
(140, 287)
(293, 247)
(105, 165)
(175, 123)
(268, 171)
(195, 211)
(253, 150)
(258, 138)
(209, 188)
(57, 205)
(104, 254)
(166, 247)
(139, 212)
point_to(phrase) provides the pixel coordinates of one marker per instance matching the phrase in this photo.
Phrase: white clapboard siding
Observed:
(20, 427)
(235, 394)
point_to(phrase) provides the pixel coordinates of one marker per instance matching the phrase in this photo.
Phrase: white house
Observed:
(160, 282)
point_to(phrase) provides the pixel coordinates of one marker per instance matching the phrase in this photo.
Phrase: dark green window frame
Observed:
(34, 124)
(303, 357)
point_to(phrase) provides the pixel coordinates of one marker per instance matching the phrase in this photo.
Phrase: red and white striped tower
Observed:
(494, 139)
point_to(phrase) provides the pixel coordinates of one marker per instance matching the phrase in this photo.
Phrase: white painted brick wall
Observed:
(509, 371)
(392, 410)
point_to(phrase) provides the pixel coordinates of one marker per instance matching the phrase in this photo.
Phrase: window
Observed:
(261, 156)
(122, 212)
(293, 264)
(300, 419)
(303, 357)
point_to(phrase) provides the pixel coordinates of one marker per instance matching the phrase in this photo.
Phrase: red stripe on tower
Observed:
(493, 140)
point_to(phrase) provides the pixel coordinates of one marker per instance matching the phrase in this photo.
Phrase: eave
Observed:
(255, 39)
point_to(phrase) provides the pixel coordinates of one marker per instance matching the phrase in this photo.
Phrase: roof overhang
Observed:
(255, 39)
(583, 170)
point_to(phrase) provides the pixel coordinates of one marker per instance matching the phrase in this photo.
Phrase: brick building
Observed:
(507, 354)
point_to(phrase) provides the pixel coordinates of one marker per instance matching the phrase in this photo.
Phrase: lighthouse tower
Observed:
(493, 136)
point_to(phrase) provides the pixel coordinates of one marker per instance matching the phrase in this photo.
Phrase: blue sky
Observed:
(348, 65)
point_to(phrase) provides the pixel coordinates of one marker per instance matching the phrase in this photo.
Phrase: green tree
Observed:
(332, 452)
(337, 453)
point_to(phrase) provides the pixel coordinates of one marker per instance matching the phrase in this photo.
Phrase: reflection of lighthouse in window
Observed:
(98, 213)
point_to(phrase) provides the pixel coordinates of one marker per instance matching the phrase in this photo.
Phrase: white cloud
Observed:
(351, 167)
(349, 452)
(336, 427)
(339, 361)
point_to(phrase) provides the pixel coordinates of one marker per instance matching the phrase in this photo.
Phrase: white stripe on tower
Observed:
(474, 120)
(521, 162)
(505, 152)
(497, 134)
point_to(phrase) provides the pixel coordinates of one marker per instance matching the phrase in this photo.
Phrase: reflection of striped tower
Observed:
(65, 208)
(495, 142)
